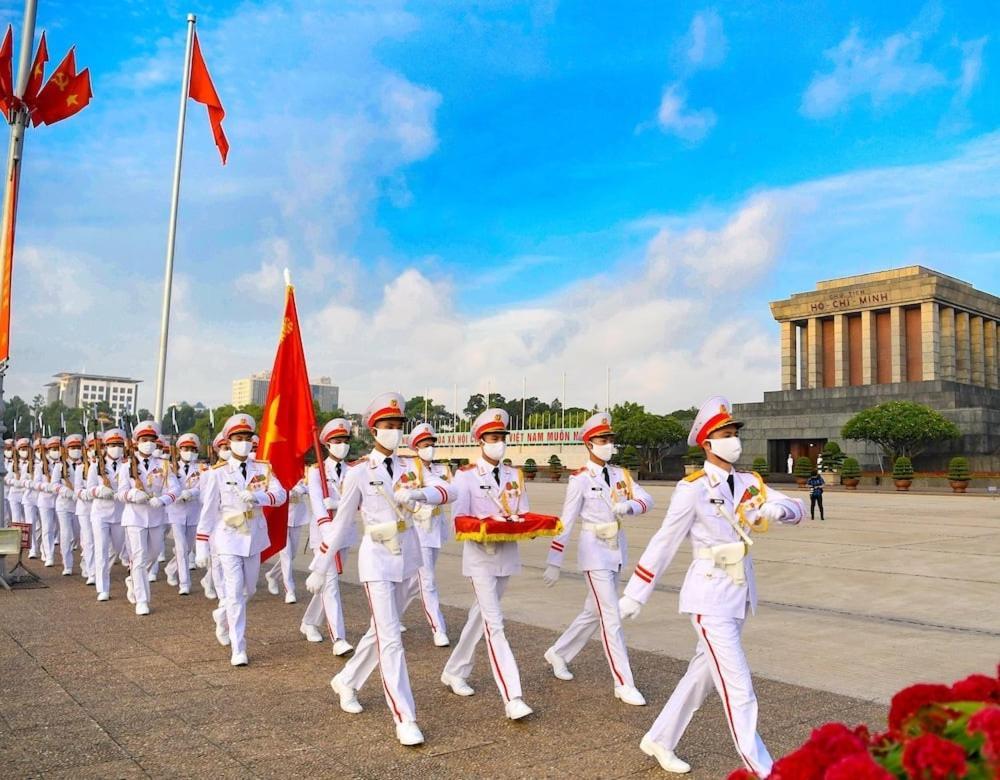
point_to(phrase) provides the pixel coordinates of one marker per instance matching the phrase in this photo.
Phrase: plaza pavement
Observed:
(889, 590)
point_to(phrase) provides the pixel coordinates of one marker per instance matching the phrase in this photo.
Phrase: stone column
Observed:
(841, 353)
(992, 367)
(869, 372)
(947, 321)
(930, 326)
(815, 359)
(803, 356)
(963, 348)
(789, 359)
(897, 328)
(978, 348)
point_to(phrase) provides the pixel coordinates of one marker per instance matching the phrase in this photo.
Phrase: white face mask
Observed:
(241, 448)
(189, 456)
(147, 447)
(22, 453)
(158, 452)
(339, 449)
(495, 450)
(91, 452)
(389, 437)
(52, 455)
(604, 451)
(75, 453)
(224, 453)
(116, 451)
(426, 453)
(728, 449)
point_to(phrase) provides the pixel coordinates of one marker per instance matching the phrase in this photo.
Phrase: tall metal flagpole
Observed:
(168, 274)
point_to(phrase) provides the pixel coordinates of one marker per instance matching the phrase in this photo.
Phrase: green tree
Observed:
(900, 428)
(651, 434)
(16, 408)
(475, 406)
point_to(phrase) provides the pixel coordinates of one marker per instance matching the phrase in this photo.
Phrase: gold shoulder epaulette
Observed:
(219, 465)
(580, 470)
(467, 467)
(696, 476)
(262, 462)
(355, 462)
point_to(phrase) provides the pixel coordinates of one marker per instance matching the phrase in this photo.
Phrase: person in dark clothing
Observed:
(815, 483)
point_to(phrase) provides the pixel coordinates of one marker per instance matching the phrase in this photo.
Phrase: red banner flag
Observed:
(37, 72)
(203, 90)
(288, 427)
(76, 96)
(52, 96)
(7, 71)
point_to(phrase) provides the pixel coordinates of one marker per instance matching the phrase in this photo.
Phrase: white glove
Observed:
(139, 497)
(156, 502)
(551, 575)
(298, 489)
(185, 495)
(202, 556)
(404, 495)
(622, 508)
(65, 492)
(773, 512)
(248, 497)
(315, 582)
(330, 502)
(105, 492)
(629, 608)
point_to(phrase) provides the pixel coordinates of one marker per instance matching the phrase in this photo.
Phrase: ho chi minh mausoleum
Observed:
(852, 343)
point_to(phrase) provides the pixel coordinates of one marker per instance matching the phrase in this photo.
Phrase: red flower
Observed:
(976, 687)
(806, 763)
(835, 740)
(742, 774)
(910, 700)
(858, 766)
(929, 757)
(987, 722)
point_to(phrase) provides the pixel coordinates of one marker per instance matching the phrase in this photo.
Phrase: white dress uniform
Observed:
(299, 515)
(146, 486)
(33, 481)
(47, 491)
(326, 606)
(213, 582)
(8, 477)
(432, 525)
(593, 494)
(388, 562)
(105, 512)
(63, 477)
(717, 590)
(237, 528)
(183, 515)
(82, 510)
(483, 490)
(14, 479)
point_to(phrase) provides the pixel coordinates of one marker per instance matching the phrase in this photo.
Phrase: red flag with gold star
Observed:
(37, 77)
(64, 94)
(288, 426)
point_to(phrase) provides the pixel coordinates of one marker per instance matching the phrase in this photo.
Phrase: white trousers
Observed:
(427, 589)
(50, 527)
(67, 537)
(325, 606)
(86, 545)
(382, 646)
(239, 574)
(32, 519)
(16, 511)
(145, 545)
(183, 544)
(108, 540)
(486, 619)
(600, 614)
(718, 662)
(283, 564)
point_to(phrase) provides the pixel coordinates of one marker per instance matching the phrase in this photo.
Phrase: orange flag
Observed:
(288, 427)
(7, 71)
(7, 266)
(203, 90)
(37, 72)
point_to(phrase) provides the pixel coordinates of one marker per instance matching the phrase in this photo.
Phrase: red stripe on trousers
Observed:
(378, 649)
(604, 635)
(489, 643)
(725, 695)
(420, 584)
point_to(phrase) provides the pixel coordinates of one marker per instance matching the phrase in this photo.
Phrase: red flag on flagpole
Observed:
(37, 76)
(203, 90)
(7, 71)
(288, 426)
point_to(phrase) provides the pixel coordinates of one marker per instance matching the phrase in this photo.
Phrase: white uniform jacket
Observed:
(698, 510)
(478, 495)
(105, 509)
(234, 526)
(43, 486)
(590, 499)
(368, 490)
(432, 522)
(157, 480)
(299, 510)
(61, 475)
(189, 479)
(319, 514)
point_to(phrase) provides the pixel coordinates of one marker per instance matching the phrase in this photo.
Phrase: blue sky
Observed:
(470, 194)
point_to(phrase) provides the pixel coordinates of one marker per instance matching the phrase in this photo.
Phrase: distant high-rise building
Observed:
(253, 391)
(76, 390)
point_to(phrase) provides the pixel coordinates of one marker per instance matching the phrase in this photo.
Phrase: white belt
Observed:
(728, 557)
(605, 532)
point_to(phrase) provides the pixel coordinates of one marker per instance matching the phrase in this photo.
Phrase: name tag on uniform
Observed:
(718, 501)
(377, 483)
(484, 487)
(596, 488)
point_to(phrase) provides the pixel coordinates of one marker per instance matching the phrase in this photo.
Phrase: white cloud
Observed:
(705, 44)
(674, 116)
(972, 66)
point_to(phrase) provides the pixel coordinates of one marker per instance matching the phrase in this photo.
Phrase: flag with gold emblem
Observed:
(288, 426)
(64, 94)
(37, 77)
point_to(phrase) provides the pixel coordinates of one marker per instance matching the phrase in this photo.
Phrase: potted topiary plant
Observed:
(693, 460)
(958, 474)
(833, 457)
(803, 470)
(902, 473)
(850, 473)
(761, 467)
(530, 469)
(555, 468)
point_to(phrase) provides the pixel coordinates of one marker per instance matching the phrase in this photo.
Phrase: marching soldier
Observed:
(717, 508)
(183, 513)
(47, 485)
(63, 474)
(105, 512)
(298, 518)
(429, 522)
(600, 495)
(388, 561)
(146, 486)
(16, 479)
(233, 526)
(81, 463)
(8, 480)
(489, 488)
(31, 480)
(336, 437)
(212, 581)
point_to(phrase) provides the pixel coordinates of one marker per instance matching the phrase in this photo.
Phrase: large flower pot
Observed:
(530, 475)
(801, 481)
(903, 484)
(555, 474)
(959, 485)
(851, 483)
